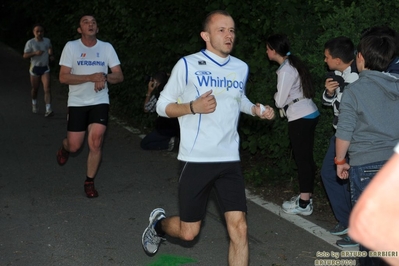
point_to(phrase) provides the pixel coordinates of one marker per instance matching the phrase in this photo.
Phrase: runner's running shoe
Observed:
(48, 113)
(90, 191)
(62, 156)
(150, 239)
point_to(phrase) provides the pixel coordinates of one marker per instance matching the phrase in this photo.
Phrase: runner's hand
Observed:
(205, 104)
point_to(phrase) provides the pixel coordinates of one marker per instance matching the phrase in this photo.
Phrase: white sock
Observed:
(48, 107)
(34, 101)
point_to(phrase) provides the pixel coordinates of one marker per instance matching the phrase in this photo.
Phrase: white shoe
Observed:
(34, 108)
(49, 113)
(150, 239)
(292, 202)
(292, 207)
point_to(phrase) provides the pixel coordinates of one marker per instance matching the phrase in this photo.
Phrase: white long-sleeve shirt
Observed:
(289, 88)
(209, 137)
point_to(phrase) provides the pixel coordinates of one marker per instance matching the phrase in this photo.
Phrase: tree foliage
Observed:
(150, 36)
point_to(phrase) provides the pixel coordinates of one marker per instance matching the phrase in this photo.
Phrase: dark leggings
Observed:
(301, 133)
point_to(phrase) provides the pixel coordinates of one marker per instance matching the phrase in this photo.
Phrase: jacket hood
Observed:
(388, 82)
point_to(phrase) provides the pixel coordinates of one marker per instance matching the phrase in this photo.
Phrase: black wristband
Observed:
(191, 108)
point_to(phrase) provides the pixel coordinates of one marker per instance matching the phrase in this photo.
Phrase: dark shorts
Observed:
(197, 181)
(80, 117)
(39, 70)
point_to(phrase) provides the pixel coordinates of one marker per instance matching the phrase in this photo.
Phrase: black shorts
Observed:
(196, 183)
(80, 117)
(39, 70)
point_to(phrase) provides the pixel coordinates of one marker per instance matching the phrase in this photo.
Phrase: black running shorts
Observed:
(197, 181)
(80, 117)
(39, 70)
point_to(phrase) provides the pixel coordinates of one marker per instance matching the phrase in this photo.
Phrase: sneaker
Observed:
(90, 191)
(48, 113)
(292, 202)
(150, 239)
(62, 156)
(339, 230)
(299, 210)
(171, 144)
(292, 207)
(34, 109)
(347, 242)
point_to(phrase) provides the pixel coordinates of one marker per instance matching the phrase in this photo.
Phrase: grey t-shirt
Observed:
(33, 45)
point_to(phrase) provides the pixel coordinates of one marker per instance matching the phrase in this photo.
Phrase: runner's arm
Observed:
(67, 77)
(116, 75)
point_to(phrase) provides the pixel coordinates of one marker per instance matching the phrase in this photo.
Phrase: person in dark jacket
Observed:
(167, 131)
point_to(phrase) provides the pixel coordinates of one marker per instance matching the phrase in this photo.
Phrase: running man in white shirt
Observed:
(84, 67)
(206, 91)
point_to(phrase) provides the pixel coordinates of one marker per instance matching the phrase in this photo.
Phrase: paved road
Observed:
(45, 219)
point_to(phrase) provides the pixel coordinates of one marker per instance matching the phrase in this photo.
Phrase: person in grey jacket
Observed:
(368, 127)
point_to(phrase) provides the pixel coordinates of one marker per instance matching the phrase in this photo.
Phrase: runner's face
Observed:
(220, 35)
(88, 26)
(38, 32)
